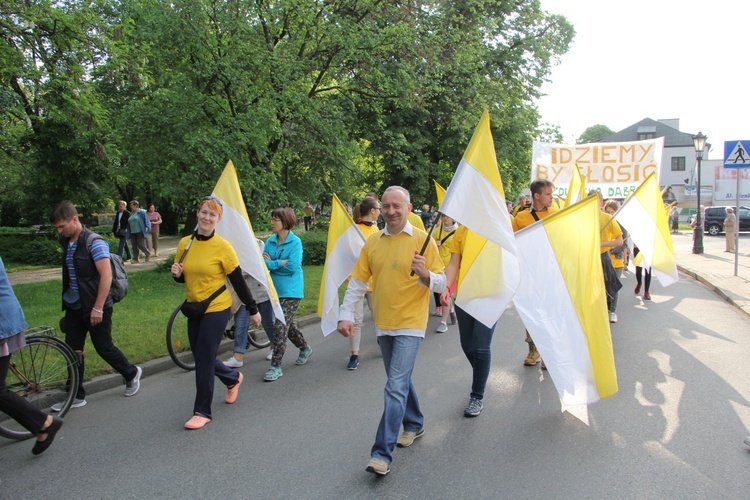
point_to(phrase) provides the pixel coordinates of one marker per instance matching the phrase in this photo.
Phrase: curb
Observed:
(159, 365)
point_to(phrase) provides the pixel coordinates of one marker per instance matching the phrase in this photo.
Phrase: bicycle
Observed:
(178, 344)
(44, 372)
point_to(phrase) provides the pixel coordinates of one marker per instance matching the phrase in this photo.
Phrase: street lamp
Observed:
(699, 141)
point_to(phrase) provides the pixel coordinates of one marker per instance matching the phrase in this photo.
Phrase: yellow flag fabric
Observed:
(440, 192)
(563, 304)
(345, 242)
(236, 228)
(576, 188)
(489, 273)
(643, 215)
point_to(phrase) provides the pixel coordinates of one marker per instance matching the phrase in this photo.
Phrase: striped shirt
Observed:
(99, 251)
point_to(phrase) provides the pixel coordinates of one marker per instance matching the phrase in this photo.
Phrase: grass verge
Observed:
(139, 322)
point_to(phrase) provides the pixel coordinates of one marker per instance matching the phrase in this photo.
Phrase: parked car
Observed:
(713, 223)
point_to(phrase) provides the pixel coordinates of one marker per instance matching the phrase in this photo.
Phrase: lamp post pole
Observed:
(699, 141)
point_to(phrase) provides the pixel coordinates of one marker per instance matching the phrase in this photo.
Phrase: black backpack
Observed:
(119, 288)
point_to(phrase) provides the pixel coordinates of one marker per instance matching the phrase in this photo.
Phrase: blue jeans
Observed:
(242, 323)
(476, 340)
(401, 403)
(205, 335)
(123, 247)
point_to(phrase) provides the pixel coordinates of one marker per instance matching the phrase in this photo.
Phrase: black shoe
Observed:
(41, 446)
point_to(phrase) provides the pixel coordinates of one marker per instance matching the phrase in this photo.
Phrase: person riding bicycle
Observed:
(242, 317)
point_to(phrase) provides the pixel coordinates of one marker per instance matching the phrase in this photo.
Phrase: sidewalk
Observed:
(715, 268)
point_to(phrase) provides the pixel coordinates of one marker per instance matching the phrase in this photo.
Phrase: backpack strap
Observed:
(534, 215)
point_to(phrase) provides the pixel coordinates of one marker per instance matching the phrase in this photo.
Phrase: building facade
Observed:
(679, 164)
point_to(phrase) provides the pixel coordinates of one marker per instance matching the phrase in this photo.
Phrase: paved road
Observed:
(674, 429)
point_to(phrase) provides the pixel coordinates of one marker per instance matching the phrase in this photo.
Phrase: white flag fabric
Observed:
(644, 216)
(563, 304)
(235, 227)
(345, 242)
(489, 266)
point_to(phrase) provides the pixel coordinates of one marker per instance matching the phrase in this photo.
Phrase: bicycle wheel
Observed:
(257, 337)
(45, 372)
(178, 344)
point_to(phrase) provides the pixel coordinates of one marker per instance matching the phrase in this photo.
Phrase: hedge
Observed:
(313, 247)
(42, 248)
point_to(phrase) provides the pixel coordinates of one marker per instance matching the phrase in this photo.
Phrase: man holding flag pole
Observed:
(401, 301)
(541, 207)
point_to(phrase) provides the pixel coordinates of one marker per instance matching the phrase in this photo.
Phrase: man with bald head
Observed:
(401, 280)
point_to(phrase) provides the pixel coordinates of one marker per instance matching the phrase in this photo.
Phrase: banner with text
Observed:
(725, 183)
(614, 168)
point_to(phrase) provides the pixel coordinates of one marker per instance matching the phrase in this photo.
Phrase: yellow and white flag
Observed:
(576, 188)
(440, 192)
(563, 303)
(489, 272)
(645, 218)
(235, 227)
(345, 242)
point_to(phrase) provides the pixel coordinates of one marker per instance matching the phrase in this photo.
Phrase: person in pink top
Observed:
(153, 239)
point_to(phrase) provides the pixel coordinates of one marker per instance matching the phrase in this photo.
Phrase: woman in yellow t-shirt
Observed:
(443, 237)
(206, 261)
(367, 212)
(475, 337)
(610, 236)
(618, 255)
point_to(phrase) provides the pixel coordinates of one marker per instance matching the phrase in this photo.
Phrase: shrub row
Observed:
(26, 249)
(314, 247)
(42, 249)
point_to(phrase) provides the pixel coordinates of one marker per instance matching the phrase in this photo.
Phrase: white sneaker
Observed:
(270, 355)
(612, 317)
(132, 387)
(442, 327)
(77, 403)
(233, 362)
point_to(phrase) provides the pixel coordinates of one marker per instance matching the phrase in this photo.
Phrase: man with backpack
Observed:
(88, 298)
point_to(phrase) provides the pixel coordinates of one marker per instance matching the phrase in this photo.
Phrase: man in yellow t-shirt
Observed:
(541, 206)
(401, 302)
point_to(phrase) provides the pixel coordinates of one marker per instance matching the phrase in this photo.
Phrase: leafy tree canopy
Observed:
(594, 133)
(143, 99)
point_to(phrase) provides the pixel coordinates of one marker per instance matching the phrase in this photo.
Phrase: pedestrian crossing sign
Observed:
(736, 154)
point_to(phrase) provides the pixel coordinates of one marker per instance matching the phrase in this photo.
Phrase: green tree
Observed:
(148, 99)
(55, 130)
(594, 133)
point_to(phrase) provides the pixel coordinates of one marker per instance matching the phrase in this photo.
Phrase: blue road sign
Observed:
(736, 154)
